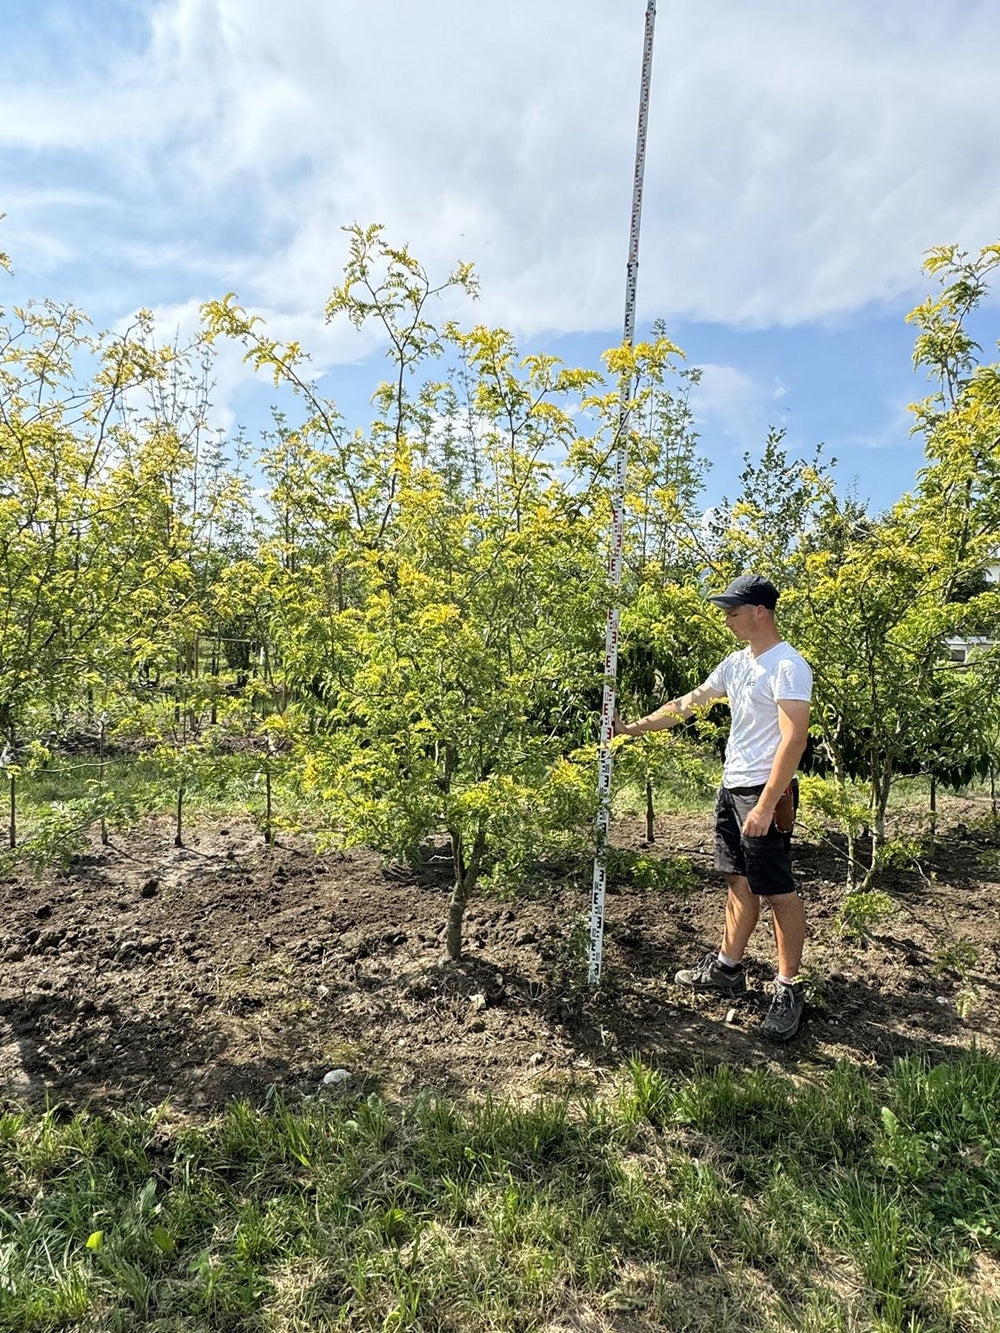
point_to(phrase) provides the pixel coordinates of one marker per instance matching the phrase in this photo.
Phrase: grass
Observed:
(630, 799)
(55, 805)
(725, 1201)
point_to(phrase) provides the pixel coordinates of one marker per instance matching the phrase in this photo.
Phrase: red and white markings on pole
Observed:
(606, 759)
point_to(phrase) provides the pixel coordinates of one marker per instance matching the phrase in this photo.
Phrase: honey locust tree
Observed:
(479, 640)
(71, 535)
(873, 612)
(455, 575)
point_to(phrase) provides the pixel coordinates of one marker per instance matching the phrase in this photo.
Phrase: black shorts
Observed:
(766, 862)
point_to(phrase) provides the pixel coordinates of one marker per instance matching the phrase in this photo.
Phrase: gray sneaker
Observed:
(710, 975)
(782, 1020)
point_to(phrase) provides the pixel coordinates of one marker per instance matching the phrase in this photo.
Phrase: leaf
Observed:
(95, 1241)
(163, 1240)
(890, 1122)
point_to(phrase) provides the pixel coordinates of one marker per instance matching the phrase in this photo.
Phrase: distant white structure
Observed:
(962, 651)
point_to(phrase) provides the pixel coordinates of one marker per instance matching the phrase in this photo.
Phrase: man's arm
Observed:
(793, 723)
(676, 710)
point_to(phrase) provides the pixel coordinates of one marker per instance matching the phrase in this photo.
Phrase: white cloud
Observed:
(800, 159)
(729, 403)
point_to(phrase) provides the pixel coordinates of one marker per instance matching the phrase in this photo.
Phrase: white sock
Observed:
(726, 961)
(785, 981)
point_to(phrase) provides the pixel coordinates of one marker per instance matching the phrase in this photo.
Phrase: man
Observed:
(768, 686)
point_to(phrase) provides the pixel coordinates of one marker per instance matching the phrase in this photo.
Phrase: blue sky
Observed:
(802, 157)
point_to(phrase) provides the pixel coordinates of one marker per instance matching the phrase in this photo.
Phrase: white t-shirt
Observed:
(753, 686)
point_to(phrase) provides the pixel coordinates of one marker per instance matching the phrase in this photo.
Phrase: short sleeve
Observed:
(718, 681)
(793, 679)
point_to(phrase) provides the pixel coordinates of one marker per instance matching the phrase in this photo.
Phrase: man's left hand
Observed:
(758, 822)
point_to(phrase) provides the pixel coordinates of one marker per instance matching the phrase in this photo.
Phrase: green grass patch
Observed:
(724, 1201)
(630, 799)
(58, 805)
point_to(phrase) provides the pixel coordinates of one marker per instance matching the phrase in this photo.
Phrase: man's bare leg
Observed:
(742, 913)
(789, 917)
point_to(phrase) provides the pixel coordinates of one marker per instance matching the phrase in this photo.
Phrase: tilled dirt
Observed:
(147, 973)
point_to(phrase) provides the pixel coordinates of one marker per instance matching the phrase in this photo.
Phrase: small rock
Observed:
(322, 991)
(732, 1018)
(527, 937)
(150, 889)
(478, 1003)
(44, 912)
(335, 1076)
(537, 1059)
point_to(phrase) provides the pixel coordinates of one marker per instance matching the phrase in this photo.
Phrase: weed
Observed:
(959, 956)
(655, 873)
(860, 911)
(902, 853)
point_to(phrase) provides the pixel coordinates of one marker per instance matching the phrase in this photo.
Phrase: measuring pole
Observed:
(605, 760)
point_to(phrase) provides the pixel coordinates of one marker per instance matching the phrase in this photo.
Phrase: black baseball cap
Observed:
(747, 590)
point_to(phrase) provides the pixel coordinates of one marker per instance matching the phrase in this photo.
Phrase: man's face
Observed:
(742, 619)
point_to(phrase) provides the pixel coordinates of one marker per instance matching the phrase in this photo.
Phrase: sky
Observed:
(801, 160)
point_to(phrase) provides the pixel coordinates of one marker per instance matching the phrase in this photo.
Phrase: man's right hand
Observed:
(619, 728)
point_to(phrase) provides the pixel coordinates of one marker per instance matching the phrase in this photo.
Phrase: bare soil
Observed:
(146, 973)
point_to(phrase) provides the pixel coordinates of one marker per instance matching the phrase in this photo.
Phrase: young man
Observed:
(768, 686)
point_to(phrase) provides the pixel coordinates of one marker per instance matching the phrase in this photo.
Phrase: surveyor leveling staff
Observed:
(605, 760)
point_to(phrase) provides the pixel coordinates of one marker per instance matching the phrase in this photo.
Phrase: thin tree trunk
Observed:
(268, 826)
(466, 875)
(933, 804)
(216, 653)
(993, 789)
(13, 793)
(456, 911)
(100, 780)
(852, 837)
(881, 787)
(650, 833)
(178, 837)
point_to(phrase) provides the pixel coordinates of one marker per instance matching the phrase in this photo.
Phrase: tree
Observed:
(878, 599)
(449, 578)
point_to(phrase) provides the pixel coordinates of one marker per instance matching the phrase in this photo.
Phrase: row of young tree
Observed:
(407, 620)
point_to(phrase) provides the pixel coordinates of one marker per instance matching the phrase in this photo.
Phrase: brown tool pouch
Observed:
(784, 811)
